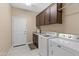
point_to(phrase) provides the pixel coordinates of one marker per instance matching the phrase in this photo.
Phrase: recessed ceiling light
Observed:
(28, 3)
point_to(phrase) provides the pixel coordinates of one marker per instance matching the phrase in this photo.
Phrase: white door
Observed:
(19, 30)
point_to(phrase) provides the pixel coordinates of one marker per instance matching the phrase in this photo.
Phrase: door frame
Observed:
(11, 29)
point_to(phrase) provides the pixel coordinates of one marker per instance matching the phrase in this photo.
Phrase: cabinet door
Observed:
(53, 14)
(58, 50)
(47, 16)
(41, 18)
(35, 40)
(37, 20)
(59, 13)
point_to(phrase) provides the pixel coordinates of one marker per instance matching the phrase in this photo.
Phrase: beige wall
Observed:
(53, 28)
(30, 18)
(70, 21)
(71, 18)
(5, 28)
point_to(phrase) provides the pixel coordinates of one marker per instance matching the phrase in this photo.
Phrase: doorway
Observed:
(19, 31)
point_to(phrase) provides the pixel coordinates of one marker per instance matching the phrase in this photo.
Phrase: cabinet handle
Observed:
(49, 20)
(59, 46)
(52, 52)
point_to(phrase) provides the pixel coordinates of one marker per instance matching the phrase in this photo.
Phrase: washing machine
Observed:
(43, 43)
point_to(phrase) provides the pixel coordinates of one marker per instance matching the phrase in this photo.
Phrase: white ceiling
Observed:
(35, 7)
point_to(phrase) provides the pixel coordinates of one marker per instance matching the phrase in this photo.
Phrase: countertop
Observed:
(47, 34)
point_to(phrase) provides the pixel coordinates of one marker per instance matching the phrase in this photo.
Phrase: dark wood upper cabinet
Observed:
(46, 17)
(37, 20)
(53, 14)
(41, 18)
(59, 13)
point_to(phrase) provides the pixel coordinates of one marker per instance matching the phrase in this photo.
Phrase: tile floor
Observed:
(22, 51)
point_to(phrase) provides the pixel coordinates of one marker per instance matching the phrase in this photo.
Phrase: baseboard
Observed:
(4, 53)
(25, 44)
(29, 43)
(19, 45)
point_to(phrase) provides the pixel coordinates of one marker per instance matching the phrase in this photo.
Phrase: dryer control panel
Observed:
(68, 36)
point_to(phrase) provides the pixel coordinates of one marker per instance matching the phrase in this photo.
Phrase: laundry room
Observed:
(39, 29)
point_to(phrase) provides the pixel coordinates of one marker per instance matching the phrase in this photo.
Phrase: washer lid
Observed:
(48, 35)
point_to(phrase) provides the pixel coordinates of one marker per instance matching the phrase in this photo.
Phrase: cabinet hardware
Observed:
(52, 52)
(59, 46)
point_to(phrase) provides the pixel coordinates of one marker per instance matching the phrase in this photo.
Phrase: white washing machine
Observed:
(43, 42)
(64, 45)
